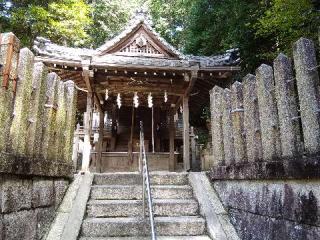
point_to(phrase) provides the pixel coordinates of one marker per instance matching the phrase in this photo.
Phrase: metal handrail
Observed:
(146, 184)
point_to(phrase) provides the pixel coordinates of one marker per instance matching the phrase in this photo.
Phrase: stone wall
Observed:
(266, 148)
(28, 205)
(37, 121)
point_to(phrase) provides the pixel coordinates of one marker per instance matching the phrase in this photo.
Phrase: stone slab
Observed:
(20, 225)
(42, 193)
(45, 216)
(211, 208)
(148, 238)
(135, 192)
(171, 226)
(16, 194)
(156, 178)
(130, 208)
(60, 188)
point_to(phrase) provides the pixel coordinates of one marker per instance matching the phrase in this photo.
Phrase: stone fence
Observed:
(37, 115)
(268, 126)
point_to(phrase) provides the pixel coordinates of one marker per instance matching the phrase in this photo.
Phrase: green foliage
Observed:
(63, 21)
(286, 21)
(109, 17)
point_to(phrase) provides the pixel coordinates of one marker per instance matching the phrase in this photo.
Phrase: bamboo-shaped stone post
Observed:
(36, 115)
(251, 119)
(71, 108)
(289, 120)
(9, 51)
(216, 126)
(271, 147)
(227, 127)
(60, 123)
(18, 131)
(49, 136)
(237, 122)
(308, 90)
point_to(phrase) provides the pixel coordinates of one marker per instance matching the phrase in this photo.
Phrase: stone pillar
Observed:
(227, 127)
(49, 123)
(75, 148)
(9, 52)
(308, 90)
(271, 146)
(240, 152)
(216, 126)
(289, 120)
(186, 134)
(36, 115)
(60, 123)
(251, 119)
(18, 131)
(71, 107)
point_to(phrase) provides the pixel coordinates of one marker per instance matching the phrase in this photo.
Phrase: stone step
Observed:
(135, 192)
(124, 227)
(156, 178)
(203, 237)
(131, 208)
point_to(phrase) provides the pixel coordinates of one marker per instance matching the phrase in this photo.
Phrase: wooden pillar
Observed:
(157, 136)
(172, 163)
(193, 150)
(87, 134)
(114, 126)
(186, 137)
(152, 128)
(100, 141)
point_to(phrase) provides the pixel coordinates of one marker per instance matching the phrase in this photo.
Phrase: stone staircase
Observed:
(114, 210)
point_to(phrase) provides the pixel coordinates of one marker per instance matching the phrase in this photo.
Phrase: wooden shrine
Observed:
(136, 76)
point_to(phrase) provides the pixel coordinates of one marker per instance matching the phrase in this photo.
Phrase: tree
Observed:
(64, 21)
(285, 21)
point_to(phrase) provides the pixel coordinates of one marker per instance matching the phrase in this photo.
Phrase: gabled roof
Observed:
(137, 45)
(140, 25)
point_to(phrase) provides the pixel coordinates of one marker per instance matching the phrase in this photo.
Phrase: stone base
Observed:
(34, 166)
(303, 168)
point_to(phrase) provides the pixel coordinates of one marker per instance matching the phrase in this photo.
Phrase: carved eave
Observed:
(140, 39)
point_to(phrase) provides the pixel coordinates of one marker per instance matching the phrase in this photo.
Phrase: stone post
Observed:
(71, 107)
(18, 131)
(216, 126)
(227, 127)
(308, 90)
(237, 123)
(48, 137)
(36, 115)
(9, 50)
(289, 120)
(60, 124)
(271, 146)
(251, 119)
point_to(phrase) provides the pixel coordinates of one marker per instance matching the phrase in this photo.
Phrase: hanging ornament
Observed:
(136, 100)
(107, 94)
(181, 109)
(150, 103)
(119, 100)
(175, 117)
(165, 96)
(95, 137)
